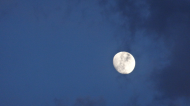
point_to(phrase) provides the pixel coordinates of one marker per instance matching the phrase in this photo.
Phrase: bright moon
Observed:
(124, 62)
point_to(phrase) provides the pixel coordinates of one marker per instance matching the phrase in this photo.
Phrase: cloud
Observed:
(89, 102)
(157, 33)
(81, 101)
(60, 102)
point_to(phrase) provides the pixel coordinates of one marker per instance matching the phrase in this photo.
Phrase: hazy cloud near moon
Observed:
(157, 33)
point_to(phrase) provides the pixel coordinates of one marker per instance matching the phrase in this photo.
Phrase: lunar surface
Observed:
(124, 62)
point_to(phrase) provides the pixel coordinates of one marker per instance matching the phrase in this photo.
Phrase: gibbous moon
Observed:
(124, 62)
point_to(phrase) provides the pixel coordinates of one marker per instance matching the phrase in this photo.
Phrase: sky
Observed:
(60, 52)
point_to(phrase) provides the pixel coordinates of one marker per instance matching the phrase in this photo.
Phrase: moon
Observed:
(124, 62)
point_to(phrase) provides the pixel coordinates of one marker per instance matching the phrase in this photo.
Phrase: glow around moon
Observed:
(124, 62)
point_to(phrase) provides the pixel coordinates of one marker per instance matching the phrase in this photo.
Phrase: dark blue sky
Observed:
(60, 52)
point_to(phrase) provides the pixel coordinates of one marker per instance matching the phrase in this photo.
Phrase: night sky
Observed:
(60, 52)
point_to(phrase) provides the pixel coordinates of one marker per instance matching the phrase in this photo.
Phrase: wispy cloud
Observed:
(157, 33)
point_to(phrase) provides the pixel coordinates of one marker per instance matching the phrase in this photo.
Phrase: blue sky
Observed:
(60, 52)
